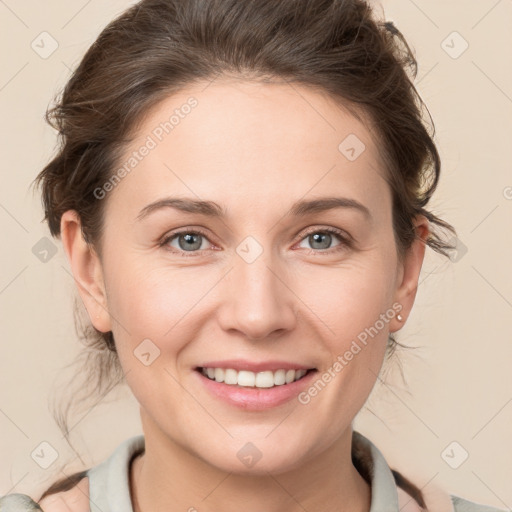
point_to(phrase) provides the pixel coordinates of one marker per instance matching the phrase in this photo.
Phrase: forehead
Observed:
(264, 141)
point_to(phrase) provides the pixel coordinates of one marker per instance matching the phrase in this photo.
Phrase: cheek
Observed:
(347, 299)
(154, 302)
(151, 313)
(352, 303)
(353, 307)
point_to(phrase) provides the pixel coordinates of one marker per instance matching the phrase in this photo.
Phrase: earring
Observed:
(399, 317)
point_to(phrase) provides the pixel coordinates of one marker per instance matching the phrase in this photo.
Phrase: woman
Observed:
(241, 193)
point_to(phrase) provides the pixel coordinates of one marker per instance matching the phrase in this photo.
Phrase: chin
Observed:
(284, 463)
(259, 457)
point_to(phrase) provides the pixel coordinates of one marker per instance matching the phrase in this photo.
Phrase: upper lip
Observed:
(252, 366)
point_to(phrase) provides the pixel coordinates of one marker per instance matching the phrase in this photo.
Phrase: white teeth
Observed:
(246, 379)
(230, 377)
(219, 374)
(280, 377)
(299, 374)
(266, 379)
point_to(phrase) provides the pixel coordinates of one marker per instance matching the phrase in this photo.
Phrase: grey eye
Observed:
(319, 240)
(188, 241)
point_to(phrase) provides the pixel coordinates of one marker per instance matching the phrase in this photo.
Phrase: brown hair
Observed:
(159, 47)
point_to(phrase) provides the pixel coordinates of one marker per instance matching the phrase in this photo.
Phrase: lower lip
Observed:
(256, 399)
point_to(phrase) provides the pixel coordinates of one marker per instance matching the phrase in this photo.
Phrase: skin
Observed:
(254, 149)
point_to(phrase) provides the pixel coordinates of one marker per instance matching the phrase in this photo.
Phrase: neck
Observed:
(168, 477)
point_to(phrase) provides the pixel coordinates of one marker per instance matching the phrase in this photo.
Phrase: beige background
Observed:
(458, 382)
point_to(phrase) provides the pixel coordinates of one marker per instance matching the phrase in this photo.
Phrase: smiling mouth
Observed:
(245, 378)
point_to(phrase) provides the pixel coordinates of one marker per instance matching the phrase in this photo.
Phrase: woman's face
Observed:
(261, 277)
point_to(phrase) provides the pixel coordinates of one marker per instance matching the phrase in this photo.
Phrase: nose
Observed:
(259, 302)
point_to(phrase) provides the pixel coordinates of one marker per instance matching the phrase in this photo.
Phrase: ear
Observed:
(409, 270)
(87, 270)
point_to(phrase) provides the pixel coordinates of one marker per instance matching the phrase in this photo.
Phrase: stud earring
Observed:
(399, 317)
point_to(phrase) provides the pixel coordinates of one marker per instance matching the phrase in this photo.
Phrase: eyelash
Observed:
(345, 241)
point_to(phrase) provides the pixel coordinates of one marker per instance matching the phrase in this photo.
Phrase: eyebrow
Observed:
(211, 209)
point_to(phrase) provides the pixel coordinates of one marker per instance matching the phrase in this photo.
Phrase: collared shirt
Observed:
(110, 491)
(109, 485)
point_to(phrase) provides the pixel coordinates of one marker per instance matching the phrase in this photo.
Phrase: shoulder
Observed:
(75, 499)
(16, 502)
(462, 505)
